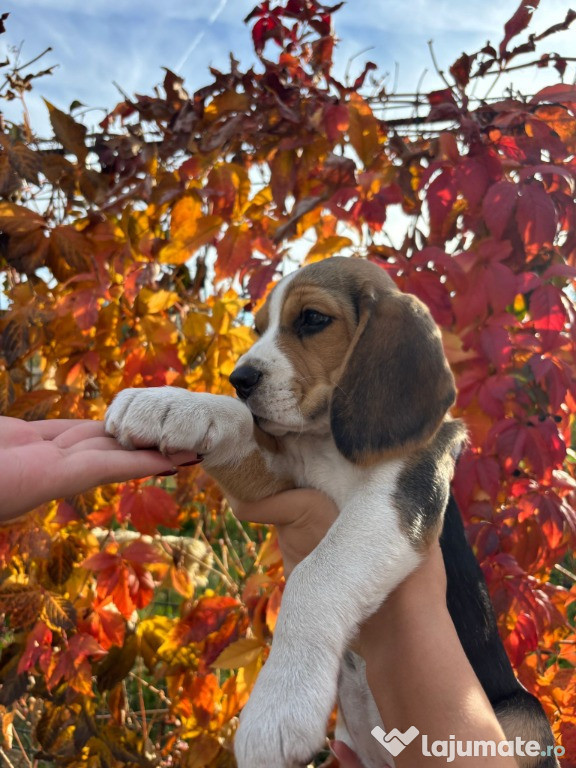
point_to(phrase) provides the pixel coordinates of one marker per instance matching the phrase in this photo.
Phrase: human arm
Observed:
(416, 668)
(44, 460)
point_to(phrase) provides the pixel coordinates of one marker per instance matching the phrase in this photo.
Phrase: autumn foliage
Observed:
(138, 616)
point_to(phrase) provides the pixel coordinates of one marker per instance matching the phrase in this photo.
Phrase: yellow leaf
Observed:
(196, 325)
(259, 204)
(241, 653)
(363, 129)
(327, 247)
(6, 727)
(231, 101)
(151, 302)
(184, 216)
(180, 249)
(269, 553)
(151, 633)
(247, 675)
(159, 331)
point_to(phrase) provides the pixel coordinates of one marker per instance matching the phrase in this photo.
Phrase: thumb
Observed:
(282, 508)
(346, 757)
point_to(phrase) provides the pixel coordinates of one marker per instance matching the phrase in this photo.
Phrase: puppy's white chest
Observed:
(316, 463)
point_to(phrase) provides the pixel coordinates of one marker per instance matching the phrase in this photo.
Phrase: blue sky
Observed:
(96, 42)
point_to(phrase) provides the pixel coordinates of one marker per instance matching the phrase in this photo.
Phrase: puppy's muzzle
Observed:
(244, 379)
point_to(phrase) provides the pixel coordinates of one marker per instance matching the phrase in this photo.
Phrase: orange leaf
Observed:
(203, 693)
(273, 608)
(234, 251)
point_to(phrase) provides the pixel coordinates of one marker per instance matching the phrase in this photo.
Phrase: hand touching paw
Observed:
(173, 419)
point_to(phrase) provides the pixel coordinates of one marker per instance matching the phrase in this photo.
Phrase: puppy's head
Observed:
(341, 349)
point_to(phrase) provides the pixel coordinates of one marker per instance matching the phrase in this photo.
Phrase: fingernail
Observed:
(331, 746)
(192, 463)
(343, 753)
(168, 473)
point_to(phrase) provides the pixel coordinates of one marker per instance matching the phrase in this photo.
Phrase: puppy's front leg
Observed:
(218, 427)
(362, 558)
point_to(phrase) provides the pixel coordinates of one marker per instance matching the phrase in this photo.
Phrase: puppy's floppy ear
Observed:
(396, 385)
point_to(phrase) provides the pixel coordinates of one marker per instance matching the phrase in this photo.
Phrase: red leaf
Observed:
(498, 207)
(494, 392)
(105, 624)
(38, 651)
(441, 196)
(139, 551)
(537, 443)
(261, 275)
(265, 28)
(207, 616)
(523, 639)
(359, 82)
(548, 313)
(101, 561)
(126, 583)
(473, 179)
(536, 217)
(554, 376)
(559, 93)
(496, 345)
(427, 286)
(460, 70)
(477, 472)
(147, 507)
(72, 663)
(444, 96)
(518, 23)
(233, 626)
(234, 251)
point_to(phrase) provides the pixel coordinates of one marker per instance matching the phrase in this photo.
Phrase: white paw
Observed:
(173, 419)
(283, 725)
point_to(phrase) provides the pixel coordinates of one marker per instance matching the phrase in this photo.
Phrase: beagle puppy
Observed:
(347, 390)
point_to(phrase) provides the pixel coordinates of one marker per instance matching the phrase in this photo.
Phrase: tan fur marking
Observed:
(250, 480)
(316, 359)
(262, 318)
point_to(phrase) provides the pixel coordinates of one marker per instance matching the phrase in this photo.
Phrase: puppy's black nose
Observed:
(244, 380)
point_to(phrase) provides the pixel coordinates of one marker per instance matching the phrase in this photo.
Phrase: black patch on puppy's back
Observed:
(423, 486)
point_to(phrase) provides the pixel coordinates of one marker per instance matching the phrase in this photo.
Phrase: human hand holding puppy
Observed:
(415, 665)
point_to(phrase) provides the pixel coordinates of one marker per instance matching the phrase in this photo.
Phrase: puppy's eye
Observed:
(311, 321)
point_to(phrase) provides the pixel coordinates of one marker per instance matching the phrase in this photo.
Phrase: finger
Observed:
(15, 432)
(78, 432)
(346, 757)
(185, 458)
(97, 466)
(281, 509)
(48, 429)
(98, 442)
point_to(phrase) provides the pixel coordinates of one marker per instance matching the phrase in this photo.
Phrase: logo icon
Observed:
(395, 741)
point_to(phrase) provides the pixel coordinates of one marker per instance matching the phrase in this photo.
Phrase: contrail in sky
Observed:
(198, 39)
